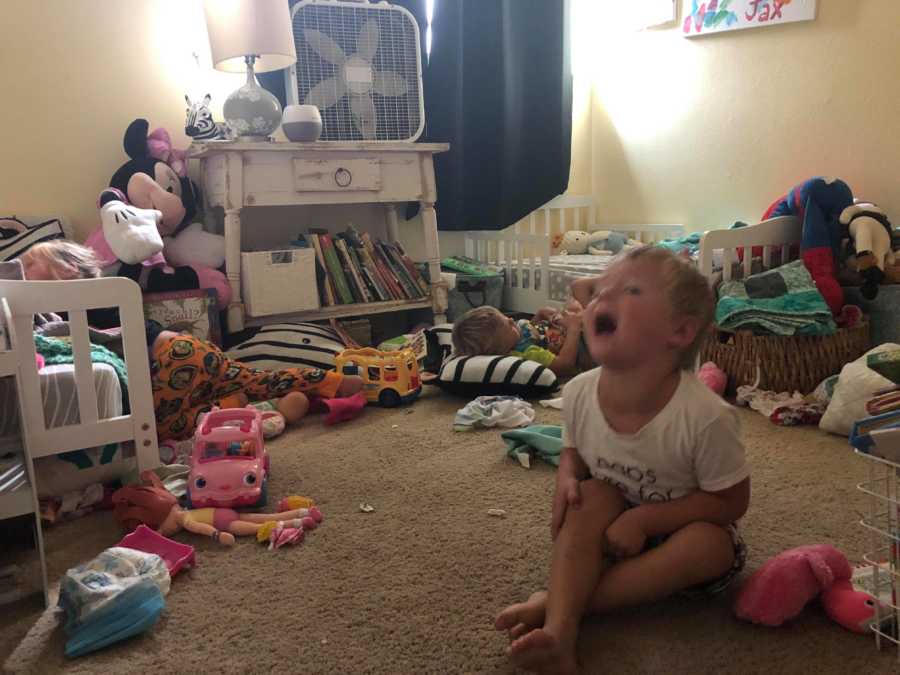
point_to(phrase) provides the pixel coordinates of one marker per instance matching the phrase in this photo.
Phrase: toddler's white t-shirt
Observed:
(692, 444)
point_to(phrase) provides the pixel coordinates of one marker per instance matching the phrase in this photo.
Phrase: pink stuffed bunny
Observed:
(780, 589)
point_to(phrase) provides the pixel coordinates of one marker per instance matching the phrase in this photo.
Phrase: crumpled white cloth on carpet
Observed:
(494, 411)
(764, 401)
(552, 403)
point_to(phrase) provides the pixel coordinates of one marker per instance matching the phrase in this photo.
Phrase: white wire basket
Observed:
(883, 523)
(359, 63)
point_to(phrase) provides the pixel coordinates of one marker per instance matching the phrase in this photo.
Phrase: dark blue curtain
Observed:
(498, 88)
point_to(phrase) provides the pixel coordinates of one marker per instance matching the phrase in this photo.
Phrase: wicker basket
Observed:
(786, 363)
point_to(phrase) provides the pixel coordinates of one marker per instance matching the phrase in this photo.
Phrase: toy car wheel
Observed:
(389, 398)
(263, 493)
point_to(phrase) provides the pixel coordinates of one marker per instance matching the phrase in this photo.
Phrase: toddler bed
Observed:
(77, 407)
(525, 259)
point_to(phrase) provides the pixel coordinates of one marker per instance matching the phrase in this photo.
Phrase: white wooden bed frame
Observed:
(19, 301)
(526, 246)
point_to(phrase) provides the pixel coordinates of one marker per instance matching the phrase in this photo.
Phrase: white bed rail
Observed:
(781, 235)
(26, 298)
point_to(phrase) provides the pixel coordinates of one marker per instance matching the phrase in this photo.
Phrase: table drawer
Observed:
(337, 175)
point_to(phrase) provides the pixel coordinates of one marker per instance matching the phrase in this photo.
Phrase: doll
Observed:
(154, 506)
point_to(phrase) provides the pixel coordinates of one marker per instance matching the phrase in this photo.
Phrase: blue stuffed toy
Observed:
(818, 203)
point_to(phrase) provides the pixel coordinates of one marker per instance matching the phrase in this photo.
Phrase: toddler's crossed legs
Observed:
(543, 630)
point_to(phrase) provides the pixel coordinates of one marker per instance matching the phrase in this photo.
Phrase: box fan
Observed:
(359, 62)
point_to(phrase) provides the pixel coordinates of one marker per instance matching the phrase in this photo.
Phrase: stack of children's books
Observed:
(352, 267)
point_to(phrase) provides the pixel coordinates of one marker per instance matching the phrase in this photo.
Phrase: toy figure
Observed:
(870, 231)
(818, 203)
(156, 507)
(147, 230)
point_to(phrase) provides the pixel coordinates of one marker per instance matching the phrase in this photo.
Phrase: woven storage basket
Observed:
(786, 363)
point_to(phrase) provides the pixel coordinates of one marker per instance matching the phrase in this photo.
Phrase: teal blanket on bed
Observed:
(782, 301)
(57, 350)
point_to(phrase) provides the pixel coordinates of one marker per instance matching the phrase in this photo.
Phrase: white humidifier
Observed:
(302, 123)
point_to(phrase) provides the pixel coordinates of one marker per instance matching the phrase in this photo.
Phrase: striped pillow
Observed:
(18, 235)
(287, 345)
(473, 376)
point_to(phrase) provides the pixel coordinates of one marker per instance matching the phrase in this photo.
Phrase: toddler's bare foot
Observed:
(528, 614)
(542, 652)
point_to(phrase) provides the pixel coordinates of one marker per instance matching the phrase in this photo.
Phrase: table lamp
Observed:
(252, 36)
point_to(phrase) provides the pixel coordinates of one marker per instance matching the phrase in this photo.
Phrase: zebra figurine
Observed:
(199, 123)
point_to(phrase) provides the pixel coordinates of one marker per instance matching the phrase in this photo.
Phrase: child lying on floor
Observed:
(652, 475)
(188, 375)
(551, 338)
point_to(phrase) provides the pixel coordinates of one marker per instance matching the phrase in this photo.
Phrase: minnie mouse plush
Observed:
(148, 198)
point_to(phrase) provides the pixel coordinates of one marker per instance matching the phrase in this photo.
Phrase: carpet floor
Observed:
(413, 586)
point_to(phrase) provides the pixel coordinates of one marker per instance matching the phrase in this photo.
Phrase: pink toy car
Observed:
(229, 463)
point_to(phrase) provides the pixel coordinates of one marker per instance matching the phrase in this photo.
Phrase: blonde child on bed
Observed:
(652, 475)
(551, 338)
(188, 375)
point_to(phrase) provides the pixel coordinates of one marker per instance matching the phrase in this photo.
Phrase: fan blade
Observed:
(326, 93)
(389, 83)
(367, 42)
(363, 109)
(324, 46)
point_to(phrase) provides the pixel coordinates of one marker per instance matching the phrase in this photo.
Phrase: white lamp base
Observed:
(251, 112)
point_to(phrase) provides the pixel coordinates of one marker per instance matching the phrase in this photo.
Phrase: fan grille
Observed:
(396, 117)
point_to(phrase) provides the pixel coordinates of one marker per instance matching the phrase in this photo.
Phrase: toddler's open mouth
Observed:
(605, 324)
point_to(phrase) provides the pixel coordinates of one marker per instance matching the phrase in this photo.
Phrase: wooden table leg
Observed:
(432, 254)
(233, 268)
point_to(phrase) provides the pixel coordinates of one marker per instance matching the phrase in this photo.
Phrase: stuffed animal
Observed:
(780, 589)
(870, 232)
(606, 242)
(818, 204)
(574, 242)
(150, 198)
(199, 124)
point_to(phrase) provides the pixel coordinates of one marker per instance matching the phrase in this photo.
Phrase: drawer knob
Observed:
(343, 177)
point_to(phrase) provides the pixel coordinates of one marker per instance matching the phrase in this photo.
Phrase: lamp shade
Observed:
(238, 28)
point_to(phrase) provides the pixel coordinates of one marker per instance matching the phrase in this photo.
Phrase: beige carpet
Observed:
(413, 586)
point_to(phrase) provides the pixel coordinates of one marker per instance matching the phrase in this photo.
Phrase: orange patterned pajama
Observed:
(189, 376)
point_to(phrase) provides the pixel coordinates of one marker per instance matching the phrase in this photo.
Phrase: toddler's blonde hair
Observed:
(689, 292)
(66, 259)
(474, 332)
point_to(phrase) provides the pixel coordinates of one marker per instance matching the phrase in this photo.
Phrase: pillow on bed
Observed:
(473, 376)
(18, 235)
(288, 345)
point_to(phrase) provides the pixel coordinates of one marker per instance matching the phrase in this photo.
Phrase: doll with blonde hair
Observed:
(154, 506)
(189, 375)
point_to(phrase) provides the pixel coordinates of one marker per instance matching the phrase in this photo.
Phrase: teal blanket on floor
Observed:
(782, 301)
(538, 440)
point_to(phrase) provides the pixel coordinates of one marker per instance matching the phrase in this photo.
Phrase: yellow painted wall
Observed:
(74, 75)
(710, 130)
(703, 131)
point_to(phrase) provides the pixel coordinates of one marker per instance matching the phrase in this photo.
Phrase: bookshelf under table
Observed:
(238, 174)
(340, 311)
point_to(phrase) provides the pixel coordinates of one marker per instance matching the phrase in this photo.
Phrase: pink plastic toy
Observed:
(779, 590)
(176, 556)
(229, 463)
(713, 377)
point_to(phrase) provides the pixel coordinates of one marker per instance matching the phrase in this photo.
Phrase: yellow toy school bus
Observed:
(389, 378)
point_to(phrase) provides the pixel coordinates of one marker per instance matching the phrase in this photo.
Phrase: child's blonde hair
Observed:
(474, 333)
(689, 292)
(65, 259)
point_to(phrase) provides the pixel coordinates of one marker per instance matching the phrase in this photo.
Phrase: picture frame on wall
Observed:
(703, 17)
